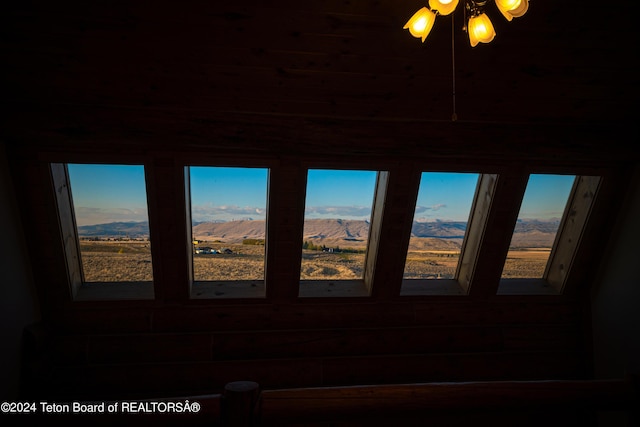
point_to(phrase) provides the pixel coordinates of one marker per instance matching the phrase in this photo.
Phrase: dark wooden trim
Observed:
(285, 218)
(104, 131)
(68, 229)
(374, 244)
(496, 237)
(399, 207)
(476, 229)
(569, 235)
(166, 203)
(188, 226)
(358, 402)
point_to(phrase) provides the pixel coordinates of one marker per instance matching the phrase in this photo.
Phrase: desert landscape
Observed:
(332, 250)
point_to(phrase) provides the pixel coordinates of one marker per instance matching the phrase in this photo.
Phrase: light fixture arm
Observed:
(476, 23)
(474, 8)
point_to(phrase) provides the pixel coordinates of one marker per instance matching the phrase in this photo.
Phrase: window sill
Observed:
(412, 287)
(228, 289)
(101, 291)
(526, 287)
(332, 288)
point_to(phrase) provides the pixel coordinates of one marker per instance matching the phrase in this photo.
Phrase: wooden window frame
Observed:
(223, 289)
(78, 288)
(498, 197)
(352, 288)
(567, 241)
(476, 224)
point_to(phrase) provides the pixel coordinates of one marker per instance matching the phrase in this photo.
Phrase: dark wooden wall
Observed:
(290, 85)
(174, 345)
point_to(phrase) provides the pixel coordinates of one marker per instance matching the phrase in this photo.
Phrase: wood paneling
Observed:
(342, 59)
(289, 85)
(488, 403)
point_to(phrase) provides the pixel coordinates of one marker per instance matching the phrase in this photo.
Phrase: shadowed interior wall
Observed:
(334, 84)
(615, 314)
(17, 297)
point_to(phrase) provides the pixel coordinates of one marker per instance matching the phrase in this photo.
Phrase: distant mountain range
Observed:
(528, 233)
(115, 229)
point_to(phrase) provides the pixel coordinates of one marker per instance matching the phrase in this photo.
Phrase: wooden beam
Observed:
(285, 223)
(339, 403)
(67, 221)
(396, 214)
(570, 233)
(497, 232)
(476, 228)
(238, 403)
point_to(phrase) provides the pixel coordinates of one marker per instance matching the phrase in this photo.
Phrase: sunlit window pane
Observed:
(110, 208)
(228, 219)
(439, 224)
(540, 215)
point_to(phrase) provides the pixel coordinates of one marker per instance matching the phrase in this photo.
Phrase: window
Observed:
(104, 219)
(228, 211)
(352, 220)
(539, 218)
(552, 215)
(337, 219)
(438, 231)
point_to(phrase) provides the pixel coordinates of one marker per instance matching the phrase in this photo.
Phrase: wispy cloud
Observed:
(344, 212)
(430, 209)
(431, 213)
(201, 213)
(92, 216)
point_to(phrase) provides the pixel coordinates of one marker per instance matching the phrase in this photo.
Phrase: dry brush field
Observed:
(113, 261)
(121, 261)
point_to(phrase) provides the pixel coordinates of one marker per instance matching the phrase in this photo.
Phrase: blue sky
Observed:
(227, 194)
(341, 194)
(546, 196)
(108, 193)
(445, 196)
(450, 196)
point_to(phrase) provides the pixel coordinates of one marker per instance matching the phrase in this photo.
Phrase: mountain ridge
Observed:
(528, 233)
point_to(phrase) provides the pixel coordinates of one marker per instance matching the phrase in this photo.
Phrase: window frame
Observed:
(348, 288)
(573, 223)
(476, 274)
(475, 227)
(224, 289)
(79, 289)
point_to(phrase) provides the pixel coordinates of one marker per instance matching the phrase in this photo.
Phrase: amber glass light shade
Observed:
(444, 7)
(512, 8)
(421, 23)
(480, 29)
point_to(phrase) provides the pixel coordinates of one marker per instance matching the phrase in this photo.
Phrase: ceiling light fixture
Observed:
(477, 23)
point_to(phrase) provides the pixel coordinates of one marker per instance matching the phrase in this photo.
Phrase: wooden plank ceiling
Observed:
(342, 59)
